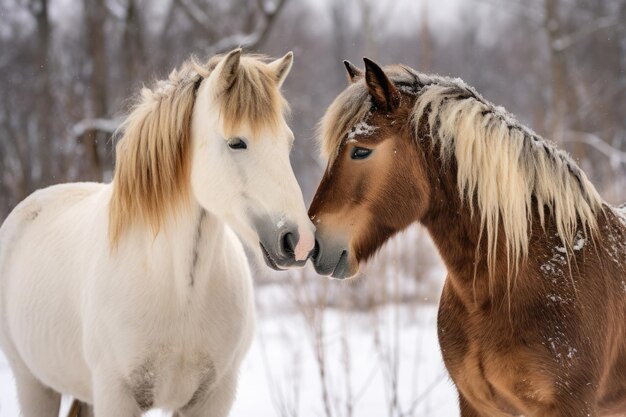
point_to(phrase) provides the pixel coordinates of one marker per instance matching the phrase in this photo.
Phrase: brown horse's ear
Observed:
(383, 92)
(354, 73)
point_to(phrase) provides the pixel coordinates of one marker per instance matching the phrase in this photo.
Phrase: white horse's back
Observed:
(43, 246)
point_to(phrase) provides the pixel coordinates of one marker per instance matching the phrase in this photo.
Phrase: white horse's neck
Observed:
(194, 242)
(184, 253)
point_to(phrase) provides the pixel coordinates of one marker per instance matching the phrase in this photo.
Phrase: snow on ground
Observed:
(8, 403)
(280, 376)
(281, 369)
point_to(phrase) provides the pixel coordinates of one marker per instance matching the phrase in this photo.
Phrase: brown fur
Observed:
(549, 342)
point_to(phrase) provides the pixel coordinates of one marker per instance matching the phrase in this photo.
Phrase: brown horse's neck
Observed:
(457, 234)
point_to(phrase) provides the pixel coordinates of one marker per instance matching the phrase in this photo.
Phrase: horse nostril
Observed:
(316, 250)
(288, 243)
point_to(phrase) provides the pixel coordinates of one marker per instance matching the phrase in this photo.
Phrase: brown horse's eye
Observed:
(360, 153)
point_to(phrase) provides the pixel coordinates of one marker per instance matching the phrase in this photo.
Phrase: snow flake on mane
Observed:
(621, 213)
(559, 345)
(579, 242)
(615, 247)
(554, 266)
(361, 129)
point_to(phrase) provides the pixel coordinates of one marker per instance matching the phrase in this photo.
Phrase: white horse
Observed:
(137, 294)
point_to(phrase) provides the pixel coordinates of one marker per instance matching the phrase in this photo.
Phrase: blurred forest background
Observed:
(70, 67)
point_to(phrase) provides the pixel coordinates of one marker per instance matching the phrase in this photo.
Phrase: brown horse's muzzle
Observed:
(331, 257)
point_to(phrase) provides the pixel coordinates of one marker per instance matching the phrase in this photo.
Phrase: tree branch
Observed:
(255, 38)
(198, 17)
(517, 8)
(116, 10)
(616, 156)
(96, 125)
(602, 23)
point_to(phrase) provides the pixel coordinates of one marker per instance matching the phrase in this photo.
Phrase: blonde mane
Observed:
(503, 167)
(153, 156)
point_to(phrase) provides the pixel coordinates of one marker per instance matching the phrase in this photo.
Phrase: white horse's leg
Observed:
(86, 410)
(112, 398)
(217, 403)
(36, 400)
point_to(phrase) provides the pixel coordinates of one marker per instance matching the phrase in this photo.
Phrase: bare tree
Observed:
(39, 8)
(425, 41)
(95, 21)
(133, 47)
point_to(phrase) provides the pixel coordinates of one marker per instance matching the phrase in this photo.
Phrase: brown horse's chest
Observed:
(496, 373)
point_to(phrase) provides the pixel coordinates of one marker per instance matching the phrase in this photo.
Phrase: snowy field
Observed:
(281, 372)
(377, 363)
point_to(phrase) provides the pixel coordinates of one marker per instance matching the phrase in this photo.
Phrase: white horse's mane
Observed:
(503, 167)
(152, 158)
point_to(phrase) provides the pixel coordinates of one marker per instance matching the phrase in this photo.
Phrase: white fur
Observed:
(80, 318)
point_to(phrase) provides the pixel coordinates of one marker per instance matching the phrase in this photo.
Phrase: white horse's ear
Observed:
(281, 67)
(226, 70)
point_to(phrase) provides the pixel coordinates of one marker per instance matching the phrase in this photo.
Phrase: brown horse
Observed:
(532, 319)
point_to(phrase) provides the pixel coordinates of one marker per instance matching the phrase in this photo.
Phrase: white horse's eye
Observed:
(237, 143)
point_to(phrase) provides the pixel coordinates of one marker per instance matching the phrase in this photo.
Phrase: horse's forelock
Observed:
(253, 100)
(349, 108)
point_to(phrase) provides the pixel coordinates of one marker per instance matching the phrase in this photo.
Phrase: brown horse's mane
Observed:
(505, 170)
